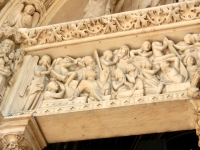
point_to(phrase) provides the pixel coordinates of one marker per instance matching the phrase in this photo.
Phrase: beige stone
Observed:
(94, 78)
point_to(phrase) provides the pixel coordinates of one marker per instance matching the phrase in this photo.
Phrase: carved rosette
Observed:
(14, 141)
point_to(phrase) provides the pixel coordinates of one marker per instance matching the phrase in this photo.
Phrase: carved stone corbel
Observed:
(20, 134)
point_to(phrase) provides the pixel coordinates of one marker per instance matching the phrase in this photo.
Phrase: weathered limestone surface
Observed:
(116, 75)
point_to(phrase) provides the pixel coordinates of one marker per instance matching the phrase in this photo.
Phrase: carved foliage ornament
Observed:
(14, 142)
(113, 23)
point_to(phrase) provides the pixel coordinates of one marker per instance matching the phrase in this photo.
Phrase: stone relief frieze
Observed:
(128, 21)
(157, 71)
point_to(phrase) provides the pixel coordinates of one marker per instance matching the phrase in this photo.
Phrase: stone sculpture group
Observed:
(121, 73)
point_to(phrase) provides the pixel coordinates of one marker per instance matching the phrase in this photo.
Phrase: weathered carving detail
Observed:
(114, 23)
(155, 68)
(39, 82)
(14, 142)
(10, 33)
(26, 14)
(10, 59)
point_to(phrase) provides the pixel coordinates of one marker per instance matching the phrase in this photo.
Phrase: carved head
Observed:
(108, 54)
(146, 46)
(147, 64)
(52, 86)
(130, 67)
(45, 60)
(124, 51)
(7, 46)
(66, 60)
(119, 73)
(189, 60)
(29, 9)
(89, 62)
(11, 55)
(187, 38)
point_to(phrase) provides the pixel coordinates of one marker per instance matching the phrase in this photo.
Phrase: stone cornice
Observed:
(139, 21)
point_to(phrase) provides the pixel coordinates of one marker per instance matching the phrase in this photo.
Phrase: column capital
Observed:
(20, 134)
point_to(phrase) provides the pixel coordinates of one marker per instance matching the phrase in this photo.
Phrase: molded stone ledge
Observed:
(61, 106)
(115, 25)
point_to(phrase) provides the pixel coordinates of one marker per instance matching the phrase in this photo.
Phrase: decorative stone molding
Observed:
(14, 142)
(61, 106)
(149, 19)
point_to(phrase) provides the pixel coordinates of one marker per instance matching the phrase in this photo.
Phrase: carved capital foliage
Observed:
(10, 33)
(14, 141)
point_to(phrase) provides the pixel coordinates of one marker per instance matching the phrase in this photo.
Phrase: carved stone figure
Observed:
(149, 76)
(108, 62)
(190, 63)
(172, 73)
(159, 51)
(132, 76)
(9, 61)
(53, 91)
(144, 52)
(124, 57)
(90, 87)
(61, 69)
(120, 84)
(38, 84)
(23, 16)
(97, 8)
(188, 45)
